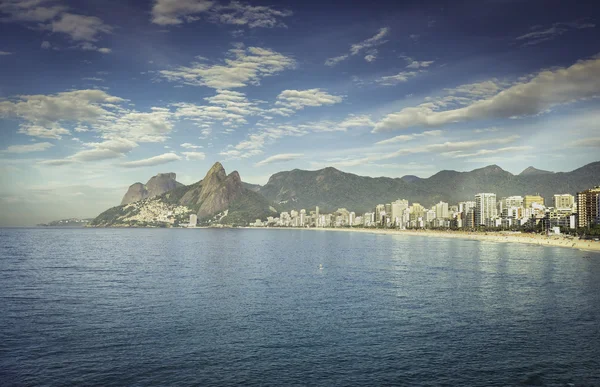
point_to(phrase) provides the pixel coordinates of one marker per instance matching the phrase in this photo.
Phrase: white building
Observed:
(564, 202)
(441, 210)
(398, 208)
(193, 220)
(485, 208)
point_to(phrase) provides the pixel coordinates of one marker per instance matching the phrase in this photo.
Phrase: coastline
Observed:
(531, 239)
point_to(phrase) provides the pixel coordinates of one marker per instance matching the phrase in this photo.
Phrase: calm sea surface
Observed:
(223, 307)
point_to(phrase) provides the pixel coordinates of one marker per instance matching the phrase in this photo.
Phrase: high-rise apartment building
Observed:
(485, 208)
(398, 208)
(441, 210)
(588, 206)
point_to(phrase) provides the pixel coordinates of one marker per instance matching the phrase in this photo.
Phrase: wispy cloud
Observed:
(357, 48)
(242, 67)
(540, 34)
(152, 161)
(279, 158)
(530, 97)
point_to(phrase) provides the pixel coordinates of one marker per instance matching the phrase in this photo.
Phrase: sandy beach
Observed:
(532, 239)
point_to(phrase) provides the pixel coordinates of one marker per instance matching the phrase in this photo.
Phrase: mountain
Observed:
(157, 185)
(330, 188)
(531, 171)
(218, 198)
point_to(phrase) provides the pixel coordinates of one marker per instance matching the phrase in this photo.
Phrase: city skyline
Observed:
(96, 96)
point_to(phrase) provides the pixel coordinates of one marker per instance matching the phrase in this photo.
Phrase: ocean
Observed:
(218, 307)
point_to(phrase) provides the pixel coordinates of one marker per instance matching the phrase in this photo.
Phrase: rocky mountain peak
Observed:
(216, 171)
(157, 185)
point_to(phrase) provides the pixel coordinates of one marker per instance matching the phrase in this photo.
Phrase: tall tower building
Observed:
(398, 208)
(441, 210)
(588, 207)
(485, 208)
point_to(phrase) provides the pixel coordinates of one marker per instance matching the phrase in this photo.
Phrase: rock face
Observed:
(215, 192)
(157, 185)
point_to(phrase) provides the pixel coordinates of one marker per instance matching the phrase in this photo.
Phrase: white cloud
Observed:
(230, 108)
(152, 161)
(485, 152)
(46, 15)
(486, 130)
(242, 67)
(370, 58)
(187, 145)
(357, 48)
(54, 131)
(56, 163)
(255, 142)
(298, 99)
(335, 60)
(44, 116)
(371, 42)
(592, 142)
(415, 64)
(77, 105)
(95, 79)
(154, 126)
(392, 80)
(80, 27)
(194, 155)
(37, 147)
(173, 12)
(356, 121)
(530, 97)
(448, 148)
(409, 137)
(5, 53)
(30, 11)
(279, 158)
(240, 14)
(96, 151)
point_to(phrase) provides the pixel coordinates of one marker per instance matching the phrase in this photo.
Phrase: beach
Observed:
(501, 237)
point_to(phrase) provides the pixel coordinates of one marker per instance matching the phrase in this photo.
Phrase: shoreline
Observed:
(531, 239)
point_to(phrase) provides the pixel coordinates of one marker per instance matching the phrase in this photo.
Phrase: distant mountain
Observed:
(71, 222)
(157, 185)
(218, 198)
(531, 171)
(410, 178)
(330, 188)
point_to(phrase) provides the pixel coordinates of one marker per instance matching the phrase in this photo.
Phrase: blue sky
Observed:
(96, 95)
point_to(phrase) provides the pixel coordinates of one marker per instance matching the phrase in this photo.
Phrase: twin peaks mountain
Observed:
(226, 199)
(219, 196)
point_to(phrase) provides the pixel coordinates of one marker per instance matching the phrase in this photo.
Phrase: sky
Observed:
(96, 95)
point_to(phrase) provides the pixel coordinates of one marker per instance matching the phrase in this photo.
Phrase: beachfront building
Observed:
(530, 199)
(398, 208)
(441, 210)
(193, 220)
(485, 208)
(564, 202)
(588, 206)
